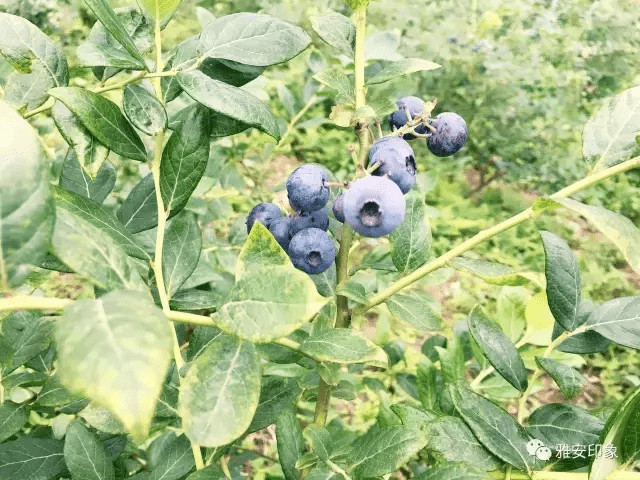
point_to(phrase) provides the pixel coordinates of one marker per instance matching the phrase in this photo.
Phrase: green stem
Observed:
(467, 245)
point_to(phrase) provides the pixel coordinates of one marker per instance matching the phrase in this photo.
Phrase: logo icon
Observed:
(536, 448)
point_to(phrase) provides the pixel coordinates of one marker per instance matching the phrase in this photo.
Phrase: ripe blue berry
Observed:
(374, 206)
(265, 213)
(280, 228)
(415, 107)
(449, 135)
(395, 159)
(312, 251)
(318, 219)
(338, 208)
(307, 189)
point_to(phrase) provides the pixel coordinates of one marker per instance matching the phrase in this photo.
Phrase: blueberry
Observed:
(318, 219)
(280, 228)
(449, 135)
(312, 251)
(374, 206)
(415, 107)
(307, 189)
(395, 159)
(265, 213)
(338, 208)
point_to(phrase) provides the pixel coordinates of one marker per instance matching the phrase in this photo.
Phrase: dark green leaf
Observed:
(586, 342)
(383, 451)
(39, 63)
(229, 101)
(112, 23)
(27, 213)
(85, 455)
(31, 459)
(139, 212)
(220, 392)
(353, 291)
(453, 471)
(13, 417)
(200, 339)
(194, 299)
(184, 159)
(411, 241)
(212, 472)
(326, 281)
(498, 348)
(569, 380)
(414, 308)
(144, 110)
(53, 394)
(28, 334)
(258, 39)
(319, 440)
(24, 379)
(290, 444)
(426, 380)
(494, 427)
(412, 417)
(564, 285)
(452, 361)
(337, 30)
(619, 321)
(277, 395)
(94, 214)
(343, 345)
(176, 461)
(75, 179)
(99, 340)
(338, 81)
(182, 245)
(104, 120)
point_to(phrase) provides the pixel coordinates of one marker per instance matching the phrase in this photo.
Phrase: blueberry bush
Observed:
(165, 366)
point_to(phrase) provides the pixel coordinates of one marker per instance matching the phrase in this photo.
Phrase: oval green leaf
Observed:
(85, 455)
(336, 30)
(182, 245)
(144, 110)
(75, 179)
(568, 379)
(343, 345)
(400, 68)
(415, 309)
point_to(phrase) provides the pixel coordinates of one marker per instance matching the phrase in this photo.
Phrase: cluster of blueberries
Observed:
(373, 206)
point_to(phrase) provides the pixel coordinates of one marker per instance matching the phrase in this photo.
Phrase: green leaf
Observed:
(176, 461)
(100, 259)
(139, 212)
(27, 213)
(493, 273)
(343, 345)
(412, 417)
(90, 153)
(564, 285)
(74, 178)
(28, 334)
(290, 444)
(539, 320)
(400, 68)
(39, 63)
(586, 342)
(319, 440)
(337, 30)
(609, 136)
(24, 379)
(411, 241)
(144, 110)
(53, 394)
(31, 458)
(498, 348)
(326, 281)
(352, 290)
(94, 214)
(494, 427)
(212, 472)
(103, 50)
(182, 245)
(220, 125)
(104, 120)
(414, 308)
(230, 101)
(85, 455)
(102, 419)
(338, 81)
(451, 439)
(426, 381)
(379, 452)
(619, 321)
(569, 380)
(269, 303)
(161, 10)
(620, 432)
(13, 417)
(512, 302)
(560, 424)
(110, 20)
(220, 392)
(453, 471)
(99, 340)
(260, 250)
(184, 159)
(194, 299)
(452, 359)
(258, 39)
(276, 395)
(617, 228)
